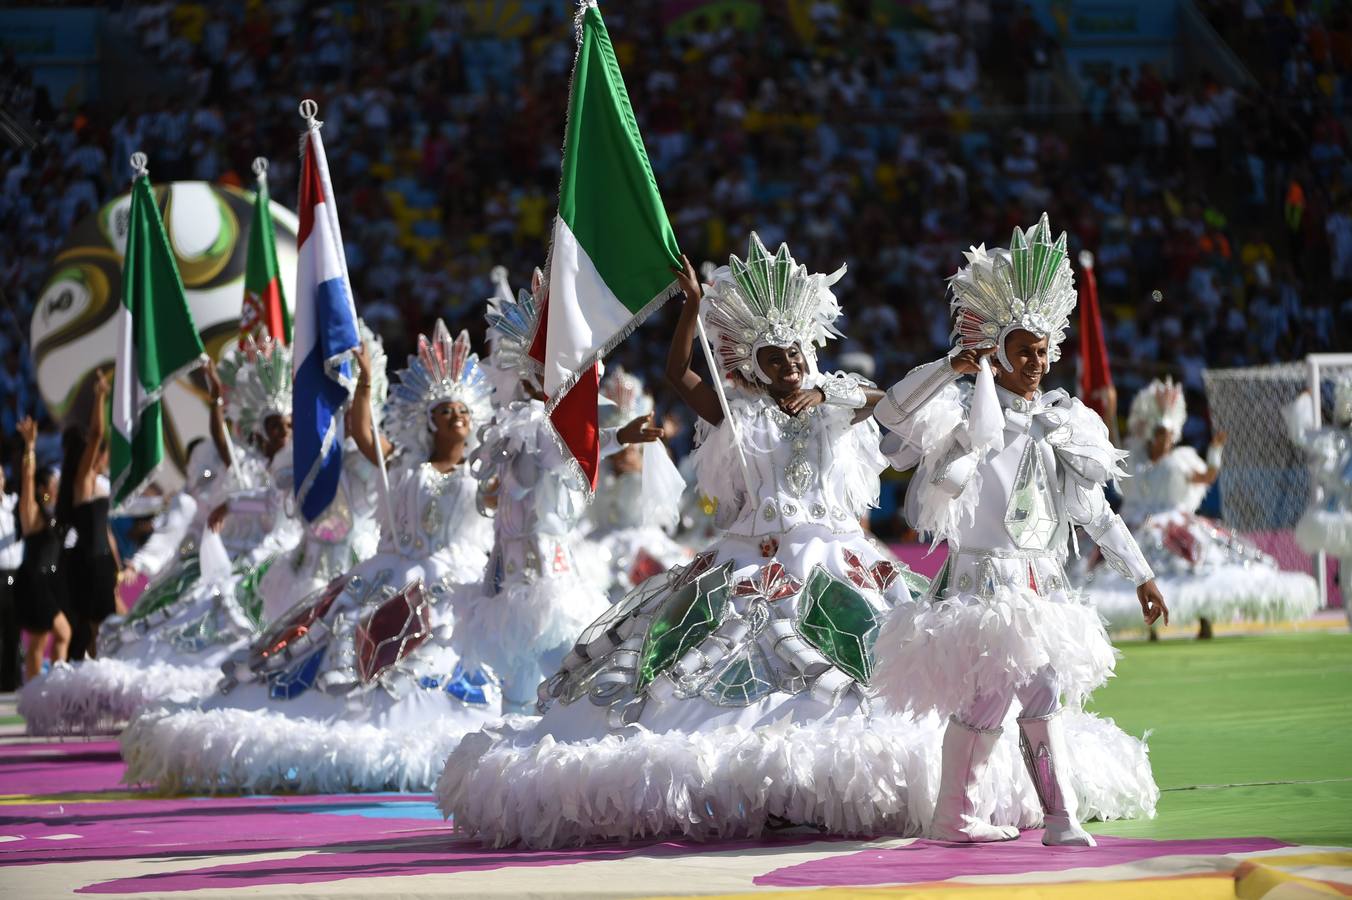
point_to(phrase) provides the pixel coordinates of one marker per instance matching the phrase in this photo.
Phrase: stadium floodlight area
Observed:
(1265, 480)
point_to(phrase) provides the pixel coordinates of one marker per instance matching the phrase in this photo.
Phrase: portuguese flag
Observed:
(264, 308)
(156, 342)
(613, 247)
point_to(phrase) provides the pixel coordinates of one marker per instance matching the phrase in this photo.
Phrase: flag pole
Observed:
(309, 111)
(723, 402)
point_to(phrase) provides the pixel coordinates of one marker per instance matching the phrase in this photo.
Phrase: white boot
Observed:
(1043, 740)
(966, 751)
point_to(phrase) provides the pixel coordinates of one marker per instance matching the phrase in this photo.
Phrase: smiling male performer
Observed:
(1005, 473)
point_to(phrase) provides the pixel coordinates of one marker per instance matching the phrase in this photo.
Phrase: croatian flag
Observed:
(325, 337)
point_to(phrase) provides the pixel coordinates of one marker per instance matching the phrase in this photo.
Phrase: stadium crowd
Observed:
(887, 142)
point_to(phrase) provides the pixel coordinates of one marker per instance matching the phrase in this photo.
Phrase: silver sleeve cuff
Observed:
(845, 390)
(1120, 549)
(609, 439)
(905, 398)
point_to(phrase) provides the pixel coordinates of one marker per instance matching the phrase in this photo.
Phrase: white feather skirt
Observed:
(99, 696)
(1327, 530)
(373, 743)
(847, 775)
(938, 656)
(524, 620)
(1231, 593)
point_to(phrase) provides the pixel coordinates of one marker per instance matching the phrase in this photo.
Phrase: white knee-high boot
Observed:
(1043, 741)
(966, 751)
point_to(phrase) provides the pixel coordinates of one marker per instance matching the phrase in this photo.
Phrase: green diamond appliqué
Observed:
(167, 590)
(747, 679)
(837, 620)
(1030, 517)
(246, 590)
(685, 619)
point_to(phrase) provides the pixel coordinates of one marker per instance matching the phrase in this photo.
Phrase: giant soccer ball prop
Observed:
(74, 330)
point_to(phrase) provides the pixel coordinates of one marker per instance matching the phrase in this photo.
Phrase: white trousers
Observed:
(1039, 696)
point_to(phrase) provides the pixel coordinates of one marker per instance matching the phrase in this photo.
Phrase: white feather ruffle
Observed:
(1228, 593)
(99, 696)
(936, 656)
(191, 750)
(1323, 530)
(522, 620)
(850, 775)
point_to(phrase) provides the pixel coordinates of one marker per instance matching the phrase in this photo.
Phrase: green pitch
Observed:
(1252, 736)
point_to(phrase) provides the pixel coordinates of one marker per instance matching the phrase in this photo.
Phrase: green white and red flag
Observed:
(613, 247)
(265, 311)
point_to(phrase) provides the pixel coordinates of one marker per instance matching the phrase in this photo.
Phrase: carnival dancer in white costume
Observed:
(170, 646)
(354, 688)
(1208, 573)
(534, 597)
(1005, 471)
(1327, 522)
(729, 693)
(637, 502)
(349, 530)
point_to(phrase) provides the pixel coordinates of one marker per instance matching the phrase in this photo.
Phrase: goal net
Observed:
(1264, 480)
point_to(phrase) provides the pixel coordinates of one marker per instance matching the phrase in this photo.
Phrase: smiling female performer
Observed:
(730, 694)
(354, 688)
(1005, 473)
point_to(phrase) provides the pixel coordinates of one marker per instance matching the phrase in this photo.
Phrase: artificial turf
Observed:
(1251, 736)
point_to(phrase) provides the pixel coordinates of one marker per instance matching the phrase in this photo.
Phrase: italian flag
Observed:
(156, 342)
(613, 247)
(264, 309)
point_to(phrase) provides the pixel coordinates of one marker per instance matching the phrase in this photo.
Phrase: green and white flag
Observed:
(156, 342)
(613, 247)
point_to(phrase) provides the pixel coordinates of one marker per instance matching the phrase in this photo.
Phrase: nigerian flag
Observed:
(156, 342)
(613, 247)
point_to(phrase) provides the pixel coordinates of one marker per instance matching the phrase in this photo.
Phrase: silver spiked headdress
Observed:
(442, 371)
(1028, 286)
(769, 301)
(512, 323)
(258, 380)
(1158, 404)
(628, 399)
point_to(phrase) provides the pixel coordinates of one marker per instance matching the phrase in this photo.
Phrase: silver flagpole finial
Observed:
(308, 111)
(139, 165)
(260, 168)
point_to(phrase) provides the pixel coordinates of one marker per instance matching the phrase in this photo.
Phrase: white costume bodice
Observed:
(541, 497)
(432, 511)
(817, 468)
(1002, 478)
(1162, 486)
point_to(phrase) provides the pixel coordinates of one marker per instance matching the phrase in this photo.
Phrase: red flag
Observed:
(577, 416)
(1096, 380)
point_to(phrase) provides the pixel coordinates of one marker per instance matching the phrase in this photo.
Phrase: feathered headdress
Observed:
(442, 371)
(1028, 286)
(512, 324)
(1159, 404)
(628, 399)
(769, 301)
(257, 378)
